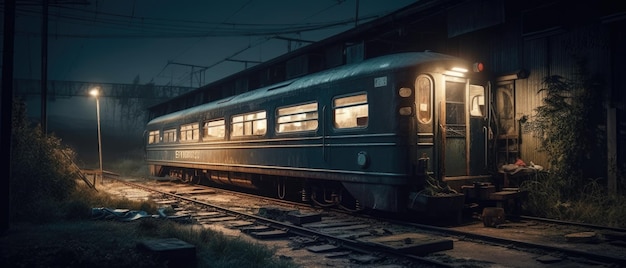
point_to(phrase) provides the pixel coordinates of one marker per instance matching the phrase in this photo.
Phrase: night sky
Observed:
(116, 41)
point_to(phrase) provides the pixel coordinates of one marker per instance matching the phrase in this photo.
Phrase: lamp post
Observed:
(96, 93)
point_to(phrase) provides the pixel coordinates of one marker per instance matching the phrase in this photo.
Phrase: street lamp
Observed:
(96, 93)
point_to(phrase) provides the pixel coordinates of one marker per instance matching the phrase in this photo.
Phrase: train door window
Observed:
(189, 132)
(455, 103)
(251, 124)
(153, 137)
(505, 108)
(477, 101)
(297, 118)
(351, 111)
(214, 129)
(169, 135)
(424, 90)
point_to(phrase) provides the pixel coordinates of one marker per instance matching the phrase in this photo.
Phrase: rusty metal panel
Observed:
(505, 52)
(497, 48)
(474, 15)
(527, 97)
(589, 43)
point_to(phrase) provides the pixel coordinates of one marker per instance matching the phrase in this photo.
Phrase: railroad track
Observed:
(332, 238)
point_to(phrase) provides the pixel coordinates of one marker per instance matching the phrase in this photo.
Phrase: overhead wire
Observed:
(147, 27)
(168, 28)
(197, 41)
(267, 38)
(122, 26)
(259, 42)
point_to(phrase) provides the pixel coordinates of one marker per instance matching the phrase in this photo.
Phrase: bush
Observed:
(43, 182)
(568, 125)
(41, 171)
(45, 187)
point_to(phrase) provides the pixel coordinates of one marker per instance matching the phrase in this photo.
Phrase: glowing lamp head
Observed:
(459, 70)
(94, 92)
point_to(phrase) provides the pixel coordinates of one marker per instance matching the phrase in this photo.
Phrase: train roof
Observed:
(369, 66)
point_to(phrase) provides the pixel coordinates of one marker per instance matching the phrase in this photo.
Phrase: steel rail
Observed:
(521, 244)
(302, 231)
(579, 224)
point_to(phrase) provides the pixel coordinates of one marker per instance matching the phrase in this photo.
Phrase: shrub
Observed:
(569, 127)
(41, 170)
(45, 188)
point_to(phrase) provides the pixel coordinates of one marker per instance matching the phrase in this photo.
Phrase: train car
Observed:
(363, 135)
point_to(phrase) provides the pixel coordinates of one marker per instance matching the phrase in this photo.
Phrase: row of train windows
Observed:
(349, 112)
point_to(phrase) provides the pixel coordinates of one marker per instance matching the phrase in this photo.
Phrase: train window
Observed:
(424, 90)
(455, 103)
(251, 124)
(477, 101)
(153, 137)
(215, 129)
(351, 111)
(297, 118)
(169, 135)
(189, 132)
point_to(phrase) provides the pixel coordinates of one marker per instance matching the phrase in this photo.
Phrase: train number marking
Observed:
(380, 81)
(187, 155)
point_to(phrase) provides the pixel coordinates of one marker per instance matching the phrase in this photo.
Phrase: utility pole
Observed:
(289, 40)
(245, 62)
(44, 62)
(202, 68)
(356, 15)
(6, 109)
(44, 67)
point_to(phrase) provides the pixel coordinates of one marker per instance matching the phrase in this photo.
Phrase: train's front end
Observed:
(451, 133)
(427, 129)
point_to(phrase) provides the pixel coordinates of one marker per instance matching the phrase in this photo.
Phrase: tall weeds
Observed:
(44, 188)
(570, 127)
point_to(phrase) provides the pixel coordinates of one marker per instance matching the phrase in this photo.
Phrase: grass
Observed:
(84, 243)
(590, 205)
(70, 238)
(50, 221)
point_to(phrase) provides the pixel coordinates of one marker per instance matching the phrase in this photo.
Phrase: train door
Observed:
(464, 130)
(454, 128)
(479, 130)
(455, 133)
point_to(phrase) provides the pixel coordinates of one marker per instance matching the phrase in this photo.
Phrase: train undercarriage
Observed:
(327, 194)
(318, 193)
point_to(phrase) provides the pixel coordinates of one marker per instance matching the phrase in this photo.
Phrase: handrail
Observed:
(80, 172)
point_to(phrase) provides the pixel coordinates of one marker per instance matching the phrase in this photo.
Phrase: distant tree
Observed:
(136, 80)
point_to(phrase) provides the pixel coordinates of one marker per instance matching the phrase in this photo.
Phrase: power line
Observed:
(167, 28)
(277, 36)
(120, 26)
